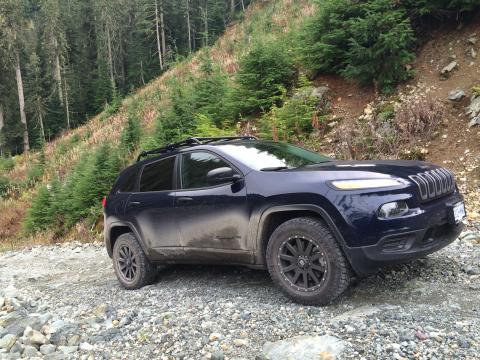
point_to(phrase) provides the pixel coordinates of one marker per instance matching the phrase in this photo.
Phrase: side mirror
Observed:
(222, 175)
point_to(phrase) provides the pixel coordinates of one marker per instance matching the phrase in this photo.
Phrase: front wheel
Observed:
(132, 267)
(306, 262)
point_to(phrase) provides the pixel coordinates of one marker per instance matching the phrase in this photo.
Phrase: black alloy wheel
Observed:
(132, 267)
(303, 263)
(306, 262)
(127, 262)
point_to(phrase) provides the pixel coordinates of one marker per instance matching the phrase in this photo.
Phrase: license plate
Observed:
(459, 212)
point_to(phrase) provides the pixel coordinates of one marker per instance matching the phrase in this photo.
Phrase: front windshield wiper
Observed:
(275, 168)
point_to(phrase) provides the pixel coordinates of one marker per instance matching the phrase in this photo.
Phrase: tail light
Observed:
(104, 201)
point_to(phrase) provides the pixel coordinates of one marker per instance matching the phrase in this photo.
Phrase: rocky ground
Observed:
(64, 302)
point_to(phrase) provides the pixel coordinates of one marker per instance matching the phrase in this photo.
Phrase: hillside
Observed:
(62, 154)
(452, 144)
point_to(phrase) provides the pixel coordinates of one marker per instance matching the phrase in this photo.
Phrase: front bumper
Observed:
(403, 247)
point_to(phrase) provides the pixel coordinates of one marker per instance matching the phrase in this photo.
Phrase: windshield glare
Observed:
(271, 155)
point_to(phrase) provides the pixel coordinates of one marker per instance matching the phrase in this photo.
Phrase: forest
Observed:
(63, 61)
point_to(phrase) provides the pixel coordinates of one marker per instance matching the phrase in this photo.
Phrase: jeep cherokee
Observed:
(312, 221)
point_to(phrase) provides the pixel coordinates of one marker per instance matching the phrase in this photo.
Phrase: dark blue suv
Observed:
(311, 220)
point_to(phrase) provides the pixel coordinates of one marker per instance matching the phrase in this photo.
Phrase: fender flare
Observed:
(299, 207)
(132, 229)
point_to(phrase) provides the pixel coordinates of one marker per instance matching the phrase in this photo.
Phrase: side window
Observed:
(158, 176)
(195, 167)
(128, 182)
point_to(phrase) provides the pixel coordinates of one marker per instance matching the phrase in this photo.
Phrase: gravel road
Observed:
(65, 301)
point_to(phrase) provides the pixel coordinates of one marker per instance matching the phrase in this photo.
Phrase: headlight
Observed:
(364, 184)
(393, 209)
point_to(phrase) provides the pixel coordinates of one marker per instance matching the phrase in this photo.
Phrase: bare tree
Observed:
(189, 28)
(21, 102)
(157, 30)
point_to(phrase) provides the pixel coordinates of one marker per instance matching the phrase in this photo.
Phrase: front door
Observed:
(213, 217)
(152, 209)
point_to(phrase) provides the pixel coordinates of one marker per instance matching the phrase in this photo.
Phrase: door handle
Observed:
(183, 200)
(134, 203)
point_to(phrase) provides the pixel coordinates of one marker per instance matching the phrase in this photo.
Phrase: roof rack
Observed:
(191, 141)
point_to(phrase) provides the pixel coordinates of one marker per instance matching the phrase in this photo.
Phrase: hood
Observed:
(397, 168)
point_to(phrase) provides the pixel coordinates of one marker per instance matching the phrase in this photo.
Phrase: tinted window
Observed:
(127, 181)
(195, 167)
(158, 176)
(269, 154)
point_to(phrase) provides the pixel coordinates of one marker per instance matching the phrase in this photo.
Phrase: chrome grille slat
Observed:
(433, 184)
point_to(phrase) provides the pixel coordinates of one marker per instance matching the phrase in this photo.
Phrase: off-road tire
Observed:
(145, 272)
(335, 279)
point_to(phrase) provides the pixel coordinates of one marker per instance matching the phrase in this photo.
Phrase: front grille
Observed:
(433, 184)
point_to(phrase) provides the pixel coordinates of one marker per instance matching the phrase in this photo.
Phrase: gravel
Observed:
(63, 301)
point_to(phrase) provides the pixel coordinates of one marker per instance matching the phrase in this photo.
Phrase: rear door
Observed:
(213, 218)
(151, 209)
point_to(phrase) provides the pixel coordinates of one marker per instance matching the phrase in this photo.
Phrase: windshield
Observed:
(269, 155)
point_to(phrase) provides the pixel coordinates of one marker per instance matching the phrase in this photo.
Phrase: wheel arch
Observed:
(116, 230)
(276, 215)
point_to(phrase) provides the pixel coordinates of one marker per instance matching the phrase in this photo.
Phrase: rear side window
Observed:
(158, 176)
(128, 182)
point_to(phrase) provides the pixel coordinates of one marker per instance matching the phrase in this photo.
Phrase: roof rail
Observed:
(191, 141)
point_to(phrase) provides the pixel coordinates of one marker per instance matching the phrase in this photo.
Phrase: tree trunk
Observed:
(58, 71)
(67, 105)
(110, 58)
(162, 27)
(232, 6)
(189, 28)
(42, 128)
(21, 101)
(159, 46)
(2, 124)
(243, 5)
(205, 24)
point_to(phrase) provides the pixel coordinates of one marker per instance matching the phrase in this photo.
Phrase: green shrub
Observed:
(112, 107)
(4, 185)
(266, 72)
(178, 121)
(294, 119)
(131, 134)
(204, 126)
(60, 206)
(35, 172)
(369, 41)
(6, 163)
(440, 7)
(75, 139)
(40, 215)
(210, 92)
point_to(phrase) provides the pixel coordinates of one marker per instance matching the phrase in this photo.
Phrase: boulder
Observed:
(449, 68)
(35, 337)
(473, 109)
(30, 352)
(456, 95)
(472, 40)
(7, 342)
(10, 291)
(304, 348)
(474, 121)
(11, 318)
(47, 349)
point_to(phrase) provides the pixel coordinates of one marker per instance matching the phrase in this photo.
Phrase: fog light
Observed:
(393, 209)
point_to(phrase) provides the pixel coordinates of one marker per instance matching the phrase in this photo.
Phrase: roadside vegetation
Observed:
(258, 78)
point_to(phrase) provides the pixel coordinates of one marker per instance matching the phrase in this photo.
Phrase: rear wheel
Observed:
(132, 267)
(306, 262)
